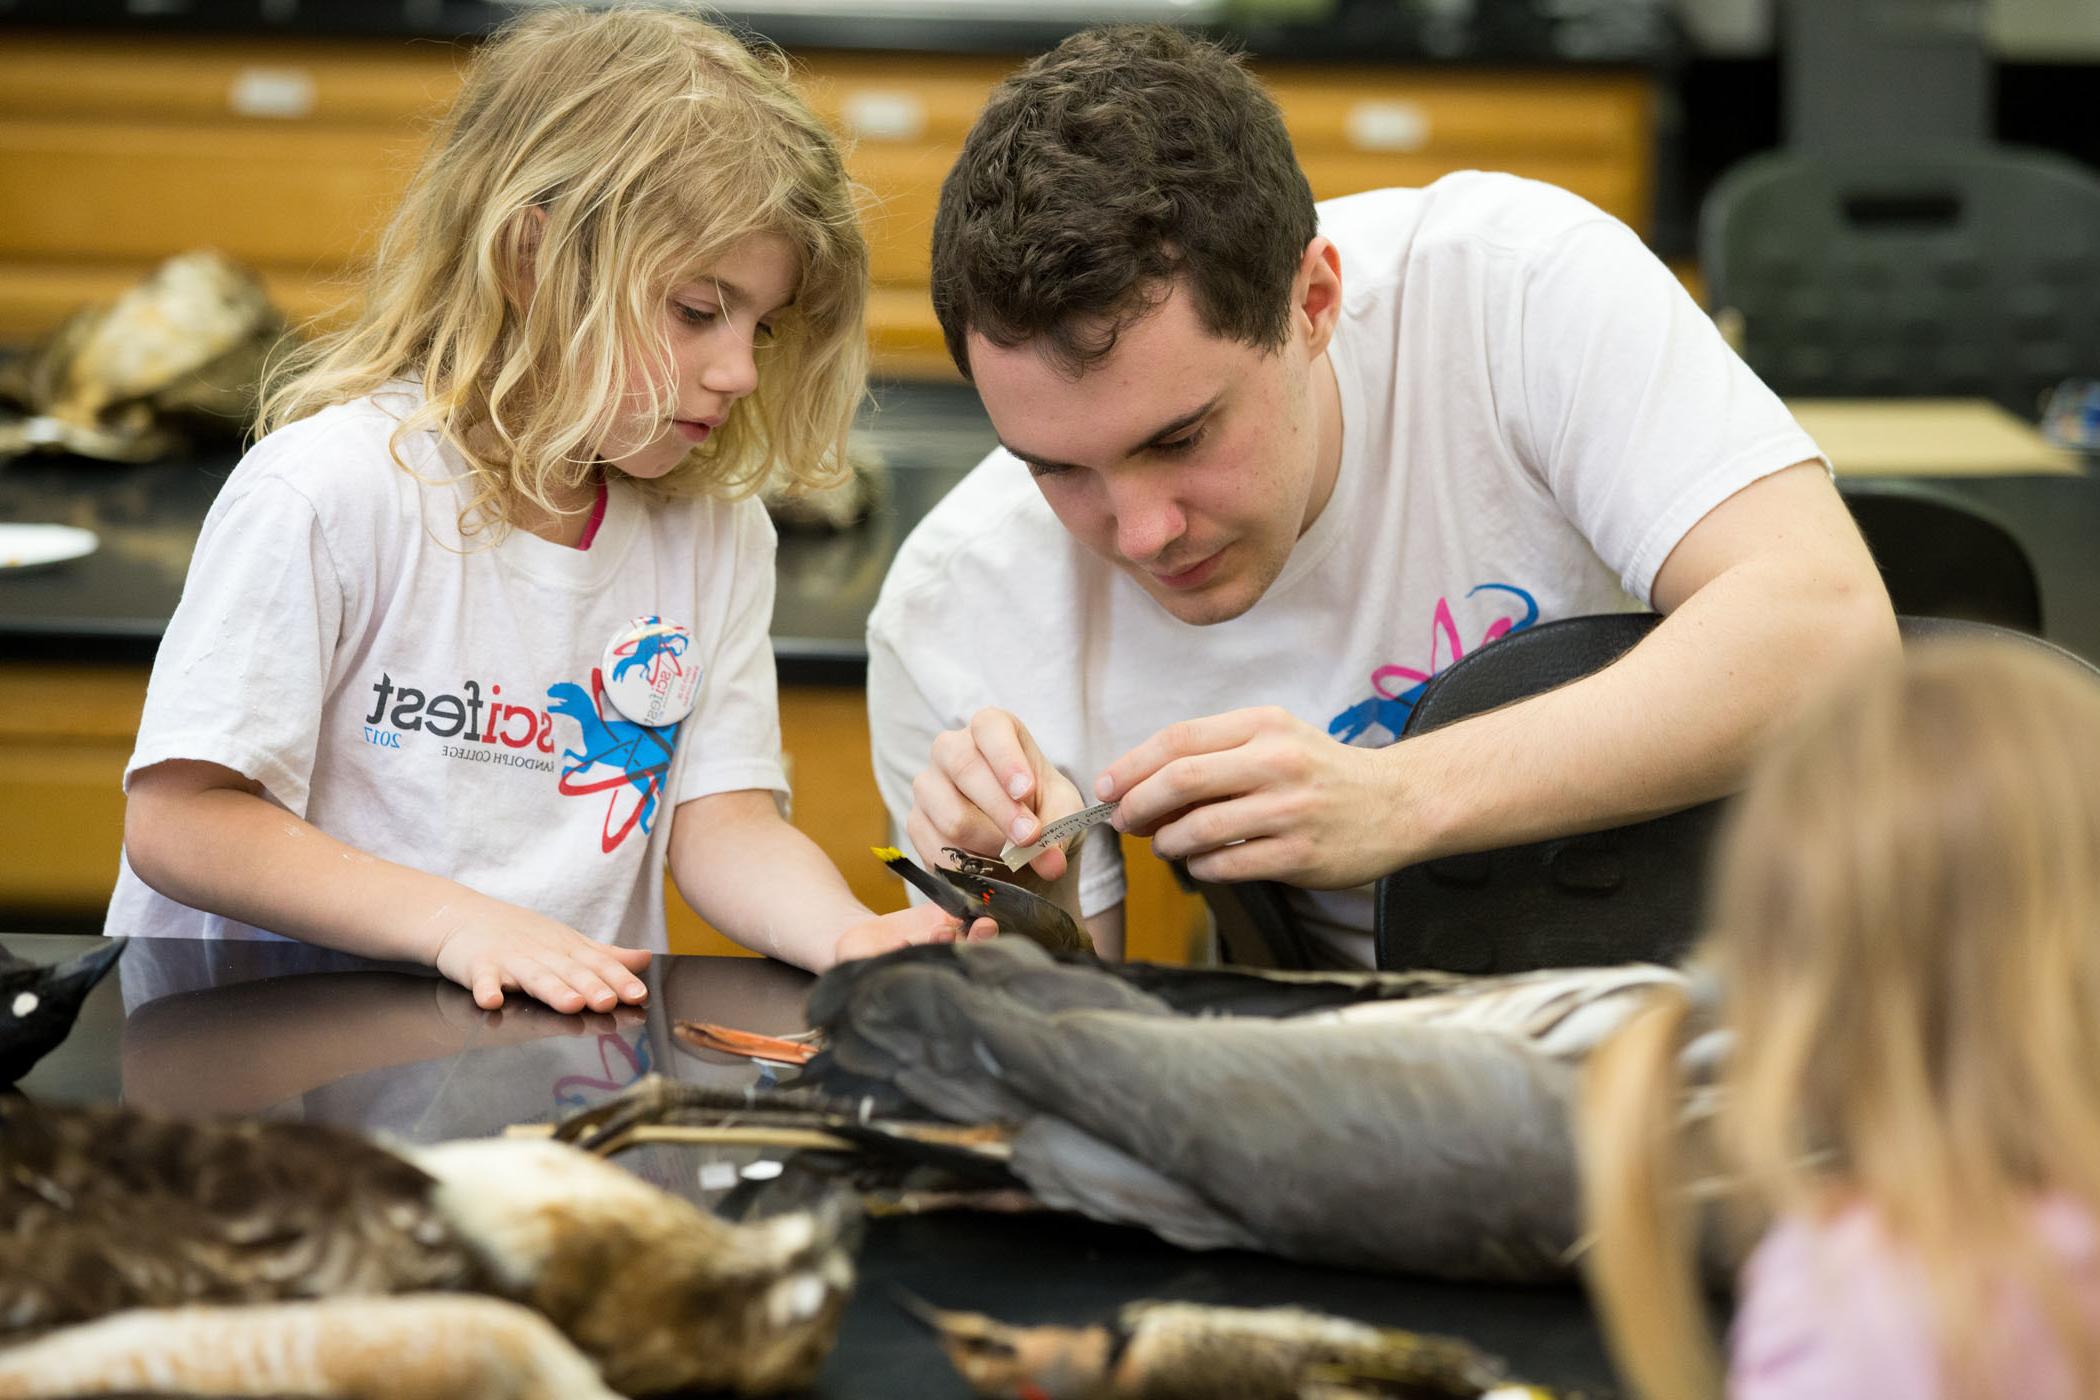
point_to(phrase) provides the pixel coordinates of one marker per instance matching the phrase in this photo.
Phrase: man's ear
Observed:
(1316, 293)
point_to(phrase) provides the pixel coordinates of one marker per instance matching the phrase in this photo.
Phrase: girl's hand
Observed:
(923, 923)
(499, 947)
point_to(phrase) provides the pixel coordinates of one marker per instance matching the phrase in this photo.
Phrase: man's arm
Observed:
(1772, 591)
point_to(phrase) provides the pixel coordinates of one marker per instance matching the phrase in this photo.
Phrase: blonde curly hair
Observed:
(593, 160)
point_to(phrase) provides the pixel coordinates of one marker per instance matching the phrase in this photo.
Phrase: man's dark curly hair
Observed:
(1123, 159)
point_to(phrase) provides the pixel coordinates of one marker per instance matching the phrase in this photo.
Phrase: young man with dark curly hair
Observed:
(1265, 467)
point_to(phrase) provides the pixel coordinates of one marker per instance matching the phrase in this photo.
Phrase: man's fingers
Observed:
(1187, 782)
(1051, 863)
(1191, 736)
(1007, 751)
(1211, 826)
(1263, 858)
(931, 844)
(951, 818)
(985, 782)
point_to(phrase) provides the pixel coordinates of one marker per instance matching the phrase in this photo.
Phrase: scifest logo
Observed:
(473, 717)
(624, 762)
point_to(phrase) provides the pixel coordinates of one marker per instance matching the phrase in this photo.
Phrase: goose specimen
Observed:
(109, 1209)
(1390, 1121)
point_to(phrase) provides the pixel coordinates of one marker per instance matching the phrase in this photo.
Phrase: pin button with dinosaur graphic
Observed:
(647, 676)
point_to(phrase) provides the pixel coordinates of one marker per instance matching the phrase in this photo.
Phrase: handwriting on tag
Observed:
(1056, 834)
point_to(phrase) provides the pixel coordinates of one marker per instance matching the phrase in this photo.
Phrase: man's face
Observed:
(1190, 461)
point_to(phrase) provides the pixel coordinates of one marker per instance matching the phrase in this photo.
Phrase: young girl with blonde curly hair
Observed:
(475, 640)
(1905, 956)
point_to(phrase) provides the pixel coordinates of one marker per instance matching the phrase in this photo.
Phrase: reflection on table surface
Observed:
(288, 1031)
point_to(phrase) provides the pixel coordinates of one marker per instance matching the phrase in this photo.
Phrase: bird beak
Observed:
(78, 977)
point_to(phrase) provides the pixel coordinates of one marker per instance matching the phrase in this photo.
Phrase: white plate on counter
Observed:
(40, 546)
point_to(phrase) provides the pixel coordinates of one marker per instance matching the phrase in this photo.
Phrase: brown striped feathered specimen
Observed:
(105, 1209)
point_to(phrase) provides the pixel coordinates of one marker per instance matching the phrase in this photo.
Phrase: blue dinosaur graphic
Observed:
(638, 755)
(647, 650)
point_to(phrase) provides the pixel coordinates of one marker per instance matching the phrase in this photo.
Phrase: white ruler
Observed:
(1056, 834)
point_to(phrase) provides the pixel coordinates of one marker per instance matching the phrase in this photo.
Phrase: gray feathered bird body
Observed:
(1425, 1130)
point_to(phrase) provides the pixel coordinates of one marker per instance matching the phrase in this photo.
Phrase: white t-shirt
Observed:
(437, 700)
(1534, 413)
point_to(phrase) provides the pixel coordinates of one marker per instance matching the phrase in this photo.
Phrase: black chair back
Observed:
(1631, 893)
(1945, 558)
(1957, 272)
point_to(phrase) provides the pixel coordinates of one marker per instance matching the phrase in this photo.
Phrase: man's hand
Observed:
(1261, 795)
(988, 784)
(493, 947)
(923, 923)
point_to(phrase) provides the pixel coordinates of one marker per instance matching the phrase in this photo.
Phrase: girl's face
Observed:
(715, 326)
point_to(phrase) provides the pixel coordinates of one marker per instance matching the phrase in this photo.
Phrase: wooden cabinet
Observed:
(65, 732)
(290, 154)
(115, 153)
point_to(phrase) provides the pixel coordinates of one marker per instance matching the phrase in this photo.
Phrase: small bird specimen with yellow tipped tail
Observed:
(970, 895)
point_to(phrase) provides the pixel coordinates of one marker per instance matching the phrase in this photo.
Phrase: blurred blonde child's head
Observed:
(555, 275)
(1907, 928)
(1905, 932)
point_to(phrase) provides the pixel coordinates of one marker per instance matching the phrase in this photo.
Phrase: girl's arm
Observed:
(769, 887)
(205, 836)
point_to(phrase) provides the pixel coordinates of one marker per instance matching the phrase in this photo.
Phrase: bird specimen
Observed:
(125, 381)
(1189, 1351)
(414, 1347)
(108, 1209)
(1409, 1122)
(38, 1004)
(969, 892)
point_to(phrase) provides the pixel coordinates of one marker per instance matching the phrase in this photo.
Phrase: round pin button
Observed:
(647, 675)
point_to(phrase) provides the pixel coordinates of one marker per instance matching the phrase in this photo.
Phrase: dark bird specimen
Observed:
(1188, 1351)
(970, 894)
(38, 1004)
(108, 1209)
(1414, 1123)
